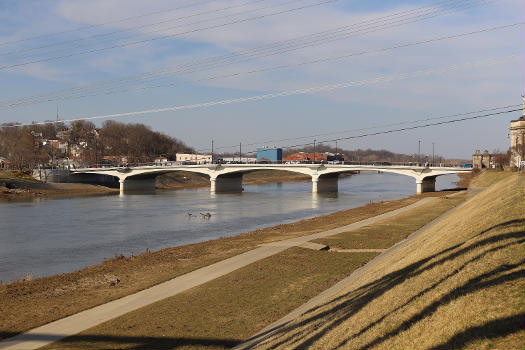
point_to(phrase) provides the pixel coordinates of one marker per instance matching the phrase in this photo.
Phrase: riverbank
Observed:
(27, 304)
(468, 294)
(18, 186)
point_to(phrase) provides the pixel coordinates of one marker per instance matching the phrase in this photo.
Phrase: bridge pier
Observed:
(137, 184)
(326, 183)
(427, 184)
(226, 183)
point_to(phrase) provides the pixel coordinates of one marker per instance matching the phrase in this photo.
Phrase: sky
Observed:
(61, 50)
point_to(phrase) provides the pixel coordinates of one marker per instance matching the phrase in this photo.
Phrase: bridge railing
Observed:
(320, 162)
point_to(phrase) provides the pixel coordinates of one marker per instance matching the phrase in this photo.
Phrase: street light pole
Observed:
(240, 152)
(432, 153)
(212, 151)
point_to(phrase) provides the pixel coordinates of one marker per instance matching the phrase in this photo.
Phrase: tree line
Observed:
(34, 145)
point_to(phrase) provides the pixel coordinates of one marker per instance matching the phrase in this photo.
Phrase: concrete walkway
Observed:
(271, 329)
(365, 250)
(81, 321)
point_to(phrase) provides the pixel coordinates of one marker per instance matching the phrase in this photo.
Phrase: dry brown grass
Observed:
(489, 177)
(223, 312)
(27, 304)
(386, 233)
(458, 285)
(466, 178)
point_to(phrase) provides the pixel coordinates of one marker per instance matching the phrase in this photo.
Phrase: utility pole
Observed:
(419, 151)
(336, 147)
(314, 152)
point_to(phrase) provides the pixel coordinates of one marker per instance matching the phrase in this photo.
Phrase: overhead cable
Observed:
(99, 89)
(90, 26)
(323, 88)
(167, 36)
(145, 26)
(401, 129)
(274, 141)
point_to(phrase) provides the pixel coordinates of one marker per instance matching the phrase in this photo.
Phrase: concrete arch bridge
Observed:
(228, 177)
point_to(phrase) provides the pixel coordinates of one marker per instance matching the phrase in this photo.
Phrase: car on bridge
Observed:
(382, 164)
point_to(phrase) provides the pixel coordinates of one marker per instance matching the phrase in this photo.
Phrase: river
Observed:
(49, 236)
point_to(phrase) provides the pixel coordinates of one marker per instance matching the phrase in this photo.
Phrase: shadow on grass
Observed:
(499, 327)
(128, 342)
(339, 309)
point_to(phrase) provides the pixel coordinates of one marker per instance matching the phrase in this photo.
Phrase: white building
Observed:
(193, 158)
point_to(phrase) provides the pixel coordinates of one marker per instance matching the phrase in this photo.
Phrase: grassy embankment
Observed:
(235, 306)
(28, 304)
(223, 312)
(458, 285)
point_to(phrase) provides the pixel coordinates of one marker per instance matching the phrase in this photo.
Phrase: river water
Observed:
(49, 236)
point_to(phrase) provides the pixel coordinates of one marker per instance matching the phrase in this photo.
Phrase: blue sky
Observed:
(461, 90)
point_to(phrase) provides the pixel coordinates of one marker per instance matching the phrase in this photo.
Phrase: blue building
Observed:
(272, 155)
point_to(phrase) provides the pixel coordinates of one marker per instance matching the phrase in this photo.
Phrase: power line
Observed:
(417, 18)
(122, 82)
(323, 88)
(145, 26)
(403, 129)
(222, 58)
(320, 60)
(262, 143)
(105, 23)
(253, 53)
(167, 36)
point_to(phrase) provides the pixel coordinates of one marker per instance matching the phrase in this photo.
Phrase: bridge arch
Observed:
(228, 177)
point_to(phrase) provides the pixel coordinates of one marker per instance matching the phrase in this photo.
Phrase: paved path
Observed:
(271, 329)
(365, 250)
(81, 321)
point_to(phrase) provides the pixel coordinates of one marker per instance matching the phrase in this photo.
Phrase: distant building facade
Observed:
(517, 140)
(161, 160)
(481, 161)
(3, 163)
(273, 155)
(194, 158)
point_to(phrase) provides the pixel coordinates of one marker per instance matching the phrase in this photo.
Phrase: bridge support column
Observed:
(427, 184)
(137, 184)
(324, 183)
(226, 183)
